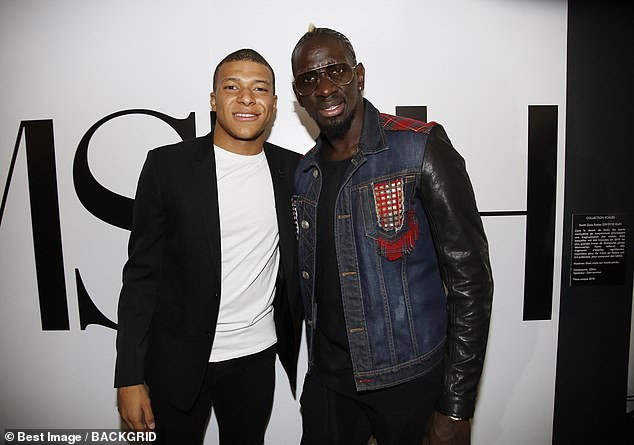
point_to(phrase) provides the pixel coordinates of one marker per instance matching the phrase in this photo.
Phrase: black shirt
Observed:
(333, 366)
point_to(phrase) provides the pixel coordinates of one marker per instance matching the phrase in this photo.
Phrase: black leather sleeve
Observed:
(463, 255)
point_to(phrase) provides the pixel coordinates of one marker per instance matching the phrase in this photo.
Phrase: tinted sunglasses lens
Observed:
(339, 74)
(307, 82)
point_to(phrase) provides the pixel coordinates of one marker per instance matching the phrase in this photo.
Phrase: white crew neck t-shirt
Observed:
(250, 256)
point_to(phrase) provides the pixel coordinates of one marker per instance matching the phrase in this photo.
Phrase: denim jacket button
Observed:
(305, 224)
(305, 275)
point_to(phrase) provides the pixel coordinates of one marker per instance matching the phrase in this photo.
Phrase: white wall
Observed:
(476, 64)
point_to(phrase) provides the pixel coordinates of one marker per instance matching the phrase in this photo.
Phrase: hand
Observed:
(135, 408)
(442, 430)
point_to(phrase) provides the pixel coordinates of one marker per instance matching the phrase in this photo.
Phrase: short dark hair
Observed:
(248, 54)
(314, 32)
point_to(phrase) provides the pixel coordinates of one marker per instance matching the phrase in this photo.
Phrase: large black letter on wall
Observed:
(540, 215)
(47, 238)
(108, 206)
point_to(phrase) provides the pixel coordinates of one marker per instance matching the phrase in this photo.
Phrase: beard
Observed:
(337, 128)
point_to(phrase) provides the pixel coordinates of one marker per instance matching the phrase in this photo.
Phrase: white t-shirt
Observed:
(250, 255)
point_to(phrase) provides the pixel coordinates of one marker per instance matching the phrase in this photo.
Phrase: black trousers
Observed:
(395, 416)
(241, 393)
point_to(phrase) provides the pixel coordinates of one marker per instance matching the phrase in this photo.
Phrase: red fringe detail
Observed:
(395, 249)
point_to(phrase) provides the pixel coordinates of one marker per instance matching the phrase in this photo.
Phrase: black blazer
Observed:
(168, 307)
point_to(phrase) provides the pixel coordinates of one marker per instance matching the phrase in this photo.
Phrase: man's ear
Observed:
(360, 76)
(212, 101)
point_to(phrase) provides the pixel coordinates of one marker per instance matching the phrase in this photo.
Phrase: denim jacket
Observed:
(412, 256)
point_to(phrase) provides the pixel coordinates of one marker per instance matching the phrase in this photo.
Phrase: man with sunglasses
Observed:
(394, 265)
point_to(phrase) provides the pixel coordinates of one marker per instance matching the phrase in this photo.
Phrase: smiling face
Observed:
(244, 103)
(335, 108)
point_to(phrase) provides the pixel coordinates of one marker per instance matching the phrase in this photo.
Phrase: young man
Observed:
(210, 288)
(394, 265)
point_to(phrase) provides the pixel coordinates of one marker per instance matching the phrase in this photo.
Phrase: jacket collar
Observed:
(207, 190)
(205, 147)
(372, 138)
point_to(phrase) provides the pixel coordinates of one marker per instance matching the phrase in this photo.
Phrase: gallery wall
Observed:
(109, 79)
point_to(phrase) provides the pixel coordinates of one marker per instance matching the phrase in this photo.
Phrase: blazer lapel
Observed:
(282, 191)
(207, 188)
